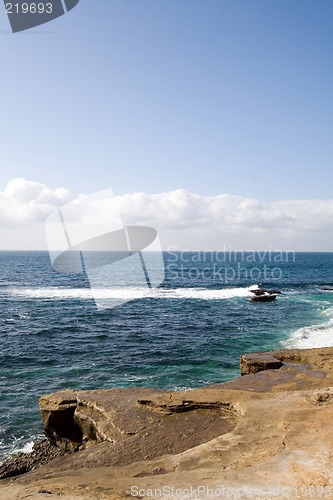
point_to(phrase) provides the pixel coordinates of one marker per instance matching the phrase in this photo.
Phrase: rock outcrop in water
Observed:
(268, 430)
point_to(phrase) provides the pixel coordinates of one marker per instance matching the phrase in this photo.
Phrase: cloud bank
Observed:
(186, 220)
(27, 202)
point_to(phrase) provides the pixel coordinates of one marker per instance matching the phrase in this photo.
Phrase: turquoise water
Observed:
(188, 332)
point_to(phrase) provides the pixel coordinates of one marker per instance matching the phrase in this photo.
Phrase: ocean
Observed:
(188, 332)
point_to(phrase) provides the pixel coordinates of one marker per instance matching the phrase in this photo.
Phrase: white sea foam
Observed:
(181, 388)
(24, 316)
(312, 336)
(133, 293)
(27, 448)
(17, 445)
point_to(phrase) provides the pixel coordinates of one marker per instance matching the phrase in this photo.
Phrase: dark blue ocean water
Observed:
(187, 333)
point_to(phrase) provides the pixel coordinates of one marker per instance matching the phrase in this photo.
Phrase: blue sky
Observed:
(142, 95)
(206, 96)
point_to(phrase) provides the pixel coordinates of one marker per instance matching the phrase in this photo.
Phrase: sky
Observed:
(192, 103)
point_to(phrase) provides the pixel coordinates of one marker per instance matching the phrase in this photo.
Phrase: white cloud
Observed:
(183, 210)
(187, 220)
(27, 202)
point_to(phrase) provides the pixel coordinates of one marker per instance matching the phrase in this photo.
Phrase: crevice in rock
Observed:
(62, 429)
(185, 406)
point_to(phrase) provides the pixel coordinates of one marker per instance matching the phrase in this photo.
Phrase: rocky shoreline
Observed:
(268, 429)
(43, 452)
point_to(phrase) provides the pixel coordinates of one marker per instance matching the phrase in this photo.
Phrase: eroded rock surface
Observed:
(135, 424)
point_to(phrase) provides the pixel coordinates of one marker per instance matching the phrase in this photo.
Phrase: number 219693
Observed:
(29, 8)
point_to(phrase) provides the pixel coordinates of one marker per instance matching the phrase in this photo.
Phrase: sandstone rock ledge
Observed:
(267, 434)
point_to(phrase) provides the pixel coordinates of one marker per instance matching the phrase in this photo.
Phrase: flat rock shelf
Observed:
(269, 429)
